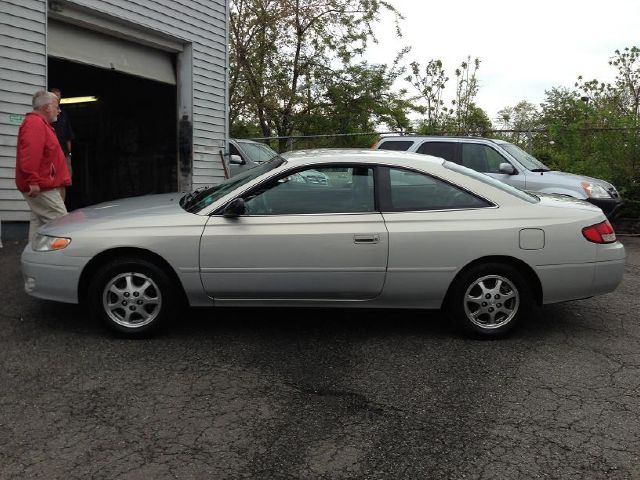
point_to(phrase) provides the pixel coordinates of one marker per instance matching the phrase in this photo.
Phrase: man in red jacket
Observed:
(41, 167)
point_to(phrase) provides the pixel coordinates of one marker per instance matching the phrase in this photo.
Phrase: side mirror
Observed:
(236, 160)
(507, 169)
(234, 208)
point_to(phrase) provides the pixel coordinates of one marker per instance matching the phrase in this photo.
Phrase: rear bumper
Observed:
(561, 283)
(611, 259)
(610, 206)
(607, 276)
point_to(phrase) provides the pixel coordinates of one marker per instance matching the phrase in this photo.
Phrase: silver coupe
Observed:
(386, 229)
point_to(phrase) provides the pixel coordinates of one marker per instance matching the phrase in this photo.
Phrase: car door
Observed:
(433, 226)
(485, 159)
(299, 240)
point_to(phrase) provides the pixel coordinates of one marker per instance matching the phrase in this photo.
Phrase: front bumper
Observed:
(51, 275)
(610, 206)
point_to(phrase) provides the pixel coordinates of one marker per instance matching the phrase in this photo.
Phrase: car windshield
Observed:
(258, 152)
(528, 161)
(195, 201)
(521, 194)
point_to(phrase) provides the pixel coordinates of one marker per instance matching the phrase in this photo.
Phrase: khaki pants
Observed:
(47, 206)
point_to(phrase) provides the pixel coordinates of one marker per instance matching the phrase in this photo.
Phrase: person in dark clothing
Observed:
(64, 132)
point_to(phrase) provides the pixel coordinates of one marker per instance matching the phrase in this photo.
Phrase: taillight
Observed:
(600, 233)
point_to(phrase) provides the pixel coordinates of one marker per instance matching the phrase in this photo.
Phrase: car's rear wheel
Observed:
(133, 297)
(489, 300)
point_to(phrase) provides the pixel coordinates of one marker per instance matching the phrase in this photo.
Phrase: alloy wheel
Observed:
(132, 300)
(491, 302)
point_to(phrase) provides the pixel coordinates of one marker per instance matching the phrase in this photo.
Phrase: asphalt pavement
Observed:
(320, 394)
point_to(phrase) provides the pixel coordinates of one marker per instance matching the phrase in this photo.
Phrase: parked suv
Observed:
(510, 164)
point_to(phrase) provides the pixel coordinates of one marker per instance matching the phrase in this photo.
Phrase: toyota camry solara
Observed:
(387, 229)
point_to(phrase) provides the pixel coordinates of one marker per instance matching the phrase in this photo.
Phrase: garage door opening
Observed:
(125, 142)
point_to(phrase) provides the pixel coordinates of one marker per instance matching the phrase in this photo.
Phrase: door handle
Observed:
(366, 239)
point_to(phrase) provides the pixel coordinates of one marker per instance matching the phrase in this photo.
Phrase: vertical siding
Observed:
(23, 60)
(203, 23)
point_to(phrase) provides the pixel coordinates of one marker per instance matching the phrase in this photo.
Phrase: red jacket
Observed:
(39, 158)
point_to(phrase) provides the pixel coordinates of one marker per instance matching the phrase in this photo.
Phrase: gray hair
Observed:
(42, 98)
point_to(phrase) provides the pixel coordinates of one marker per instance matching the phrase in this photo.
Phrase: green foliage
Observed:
(283, 52)
(333, 141)
(430, 87)
(293, 74)
(242, 129)
(465, 112)
(355, 99)
(464, 117)
(592, 129)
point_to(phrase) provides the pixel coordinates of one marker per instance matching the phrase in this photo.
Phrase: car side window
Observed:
(494, 159)
(414, 191)
(481, 158)
(474, 156)
(233, 150)
(320, 190)
(396, 145)
(446, 150)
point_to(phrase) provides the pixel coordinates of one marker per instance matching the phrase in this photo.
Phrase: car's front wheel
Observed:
(489, 300)
(131, 296)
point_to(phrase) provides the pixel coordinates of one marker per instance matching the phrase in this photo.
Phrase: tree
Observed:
(627, 62)
(593, 128)
(504, 118)
(430, 87)
(523, 118)
(279, 48)
(464, 107)
(465, 116)
(355, 99)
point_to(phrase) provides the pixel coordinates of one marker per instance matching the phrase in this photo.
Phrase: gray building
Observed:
(157, 70)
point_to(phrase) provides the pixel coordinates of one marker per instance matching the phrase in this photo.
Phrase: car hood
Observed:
(133, 212)
(566, 178)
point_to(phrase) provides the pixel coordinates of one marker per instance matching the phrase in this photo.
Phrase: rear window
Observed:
(396, 145)
(446, 150)
(516, 192)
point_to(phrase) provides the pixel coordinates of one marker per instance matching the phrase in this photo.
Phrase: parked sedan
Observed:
(402, 231)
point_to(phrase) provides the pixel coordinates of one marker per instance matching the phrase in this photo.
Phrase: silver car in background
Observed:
(246, 154)
(388, 229)
(512, 165)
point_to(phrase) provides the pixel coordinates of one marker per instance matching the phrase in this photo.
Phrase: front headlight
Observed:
(595, 191)
(43, 243)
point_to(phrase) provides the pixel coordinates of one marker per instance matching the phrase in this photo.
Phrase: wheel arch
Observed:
(530, 275)
(103, 257)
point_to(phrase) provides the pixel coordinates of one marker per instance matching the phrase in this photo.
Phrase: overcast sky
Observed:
(525, 47)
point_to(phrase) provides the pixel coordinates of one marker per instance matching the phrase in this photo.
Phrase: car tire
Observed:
(489, 300)
(132, 297)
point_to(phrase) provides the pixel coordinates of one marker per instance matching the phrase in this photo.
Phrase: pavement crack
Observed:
(353, 400)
